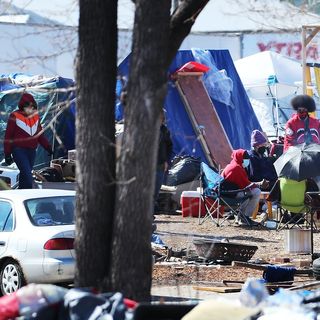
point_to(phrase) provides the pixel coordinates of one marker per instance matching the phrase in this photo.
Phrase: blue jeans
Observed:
(24, 159)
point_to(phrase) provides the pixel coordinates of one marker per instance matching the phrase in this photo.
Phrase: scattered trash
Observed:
(156, 239)
(184, 169)
(253, 293)
(36, 301)
(29, 300)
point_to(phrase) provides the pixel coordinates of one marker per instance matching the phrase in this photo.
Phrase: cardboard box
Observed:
(190, 205)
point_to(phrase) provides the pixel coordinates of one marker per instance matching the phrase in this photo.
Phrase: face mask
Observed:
(245, 162)
(262, 150)
(303, 115)
(28, 111)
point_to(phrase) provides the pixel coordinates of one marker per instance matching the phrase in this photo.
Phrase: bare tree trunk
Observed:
(132, 264)
(96, 76)
(156, 39)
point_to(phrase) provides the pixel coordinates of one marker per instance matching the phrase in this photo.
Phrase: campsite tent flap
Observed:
(238, 121)
(271, 99)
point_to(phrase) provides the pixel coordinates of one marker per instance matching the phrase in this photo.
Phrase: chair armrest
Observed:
(312, 199)
(246, 189)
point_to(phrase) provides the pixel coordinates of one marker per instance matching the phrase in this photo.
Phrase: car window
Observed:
(51, 210)
(6, 216)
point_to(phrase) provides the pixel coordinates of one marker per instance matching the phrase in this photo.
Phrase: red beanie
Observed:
(26, 99)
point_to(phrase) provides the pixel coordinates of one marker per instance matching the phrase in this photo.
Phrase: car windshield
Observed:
(51, 211)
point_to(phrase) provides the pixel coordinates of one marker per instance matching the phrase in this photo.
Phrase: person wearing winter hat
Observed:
(302, 128)
(23, 134)
(260, 167)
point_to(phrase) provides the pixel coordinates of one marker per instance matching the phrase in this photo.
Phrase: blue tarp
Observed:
(48, 96)
(238, 120)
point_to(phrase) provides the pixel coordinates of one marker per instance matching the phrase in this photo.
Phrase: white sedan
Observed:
(36, 237)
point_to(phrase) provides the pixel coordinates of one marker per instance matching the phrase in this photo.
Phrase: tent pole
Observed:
(277, 110)
(306, 39)
(54, 126)
(304, 58)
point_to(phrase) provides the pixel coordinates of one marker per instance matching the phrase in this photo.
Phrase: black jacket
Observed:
(261, 168)
(165, 145)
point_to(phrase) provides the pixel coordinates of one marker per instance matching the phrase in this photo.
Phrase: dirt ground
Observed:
(179, 232)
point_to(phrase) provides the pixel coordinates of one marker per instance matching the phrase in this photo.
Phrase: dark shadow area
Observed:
(168, 221)
(218, 238)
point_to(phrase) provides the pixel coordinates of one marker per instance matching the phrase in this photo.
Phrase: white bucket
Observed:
(297, 241)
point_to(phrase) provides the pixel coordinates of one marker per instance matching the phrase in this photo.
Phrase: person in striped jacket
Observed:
(23, 134)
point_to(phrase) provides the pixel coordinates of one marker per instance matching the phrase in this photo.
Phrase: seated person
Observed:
(235, 173)
(261, 166)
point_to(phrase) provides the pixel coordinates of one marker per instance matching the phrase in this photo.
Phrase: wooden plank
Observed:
(312, 285)
(249, 265)
(199, 104)
(264, 267)
(218, 289)
(202, 141)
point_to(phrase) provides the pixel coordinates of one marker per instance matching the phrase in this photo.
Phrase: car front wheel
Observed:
(11, 277)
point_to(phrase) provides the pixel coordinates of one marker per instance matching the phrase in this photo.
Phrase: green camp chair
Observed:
(292, 200)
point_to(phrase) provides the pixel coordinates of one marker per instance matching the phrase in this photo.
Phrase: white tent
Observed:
(271, 80)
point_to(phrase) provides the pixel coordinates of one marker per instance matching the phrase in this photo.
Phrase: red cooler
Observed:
(190, 204)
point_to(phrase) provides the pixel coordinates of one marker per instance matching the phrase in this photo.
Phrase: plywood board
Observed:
(202, 114)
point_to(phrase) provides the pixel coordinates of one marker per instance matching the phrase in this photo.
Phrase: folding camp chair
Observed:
(292, 201)
(213, 198)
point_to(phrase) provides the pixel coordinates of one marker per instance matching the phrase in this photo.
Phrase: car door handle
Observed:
(2, 243)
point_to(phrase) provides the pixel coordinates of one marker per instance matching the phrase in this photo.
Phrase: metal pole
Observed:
(200, 195)
(277, 109)
(304, 59)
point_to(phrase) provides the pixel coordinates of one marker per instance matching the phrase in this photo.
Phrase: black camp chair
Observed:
(213, 198)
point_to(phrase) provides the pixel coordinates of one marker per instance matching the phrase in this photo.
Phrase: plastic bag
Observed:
(83, 305)
(217, 82)
(185, 169)
(253, 293)
(156, 239)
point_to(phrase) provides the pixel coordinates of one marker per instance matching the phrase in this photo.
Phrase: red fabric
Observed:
(295, 131)
(26, 99)
(234, 172)
(193, 66)
(16, 137)
(9, 307)
(130, 304)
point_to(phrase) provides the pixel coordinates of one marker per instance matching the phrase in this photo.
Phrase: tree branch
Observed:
(181, 23)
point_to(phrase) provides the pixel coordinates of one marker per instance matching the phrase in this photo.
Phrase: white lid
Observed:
(190, 194)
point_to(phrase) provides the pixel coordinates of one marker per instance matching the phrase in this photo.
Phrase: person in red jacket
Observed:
(22, 136)
(235, 174)
(301, 127)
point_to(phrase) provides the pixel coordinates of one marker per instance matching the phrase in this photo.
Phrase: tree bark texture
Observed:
(95, 142)
(156, 38)
(132, 260)
(181, 23)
